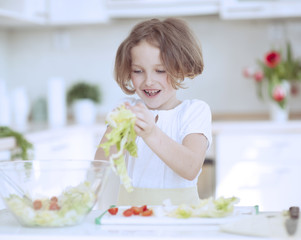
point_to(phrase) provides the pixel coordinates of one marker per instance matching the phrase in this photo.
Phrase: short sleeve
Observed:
(197, 118)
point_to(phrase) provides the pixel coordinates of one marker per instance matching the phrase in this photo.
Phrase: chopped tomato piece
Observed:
(54, 206)
(113, 210)
(136, 210)
(37, 204)
(53, 199)
(147, 212)
(128, 212)
(143, 208)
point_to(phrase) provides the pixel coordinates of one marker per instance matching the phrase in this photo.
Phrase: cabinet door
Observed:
(248, 9)
(77, 142)
(62, 12)
(156, 8)
(260, 169)
(20, 12)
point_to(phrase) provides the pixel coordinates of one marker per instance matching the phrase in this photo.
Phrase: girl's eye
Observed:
(161, 71)
(137, 71)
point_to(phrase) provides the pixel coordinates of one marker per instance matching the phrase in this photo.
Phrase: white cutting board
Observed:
(159, 218)
(262, 225)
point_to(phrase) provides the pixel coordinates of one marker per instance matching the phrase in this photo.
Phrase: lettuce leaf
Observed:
(208, 207)
(123, 136)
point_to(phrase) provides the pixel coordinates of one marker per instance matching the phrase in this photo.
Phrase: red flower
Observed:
(258, 76)
(278, 93)
(272, 59)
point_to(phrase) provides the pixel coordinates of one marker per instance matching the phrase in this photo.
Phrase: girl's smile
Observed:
(150, 79)
(151, 92)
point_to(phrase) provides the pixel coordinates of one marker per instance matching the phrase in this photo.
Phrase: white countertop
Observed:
(10, 229)
(293, 126)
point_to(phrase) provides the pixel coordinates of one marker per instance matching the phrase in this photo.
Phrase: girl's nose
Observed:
(149, 80)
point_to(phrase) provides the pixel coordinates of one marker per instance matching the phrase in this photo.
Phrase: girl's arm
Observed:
(185, 159)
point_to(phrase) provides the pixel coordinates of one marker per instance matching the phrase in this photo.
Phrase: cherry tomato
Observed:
(54, 206)
(53, 199)
(113, 210)
(128, 212)
(37, 204)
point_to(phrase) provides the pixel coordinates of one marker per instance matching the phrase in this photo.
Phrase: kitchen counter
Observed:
(217, 127)
(11, 230)
(256, 126)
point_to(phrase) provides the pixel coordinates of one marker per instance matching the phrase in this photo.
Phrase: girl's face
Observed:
(150, 79)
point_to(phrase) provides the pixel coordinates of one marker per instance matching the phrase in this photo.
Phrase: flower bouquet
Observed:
(280, 71)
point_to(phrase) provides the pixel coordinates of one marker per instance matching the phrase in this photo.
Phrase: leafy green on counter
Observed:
(23, 145)
(123, 136)
(210, 208)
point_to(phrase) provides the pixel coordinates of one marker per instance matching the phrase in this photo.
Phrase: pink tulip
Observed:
(278, 93)
(258, 76)
(248, 72)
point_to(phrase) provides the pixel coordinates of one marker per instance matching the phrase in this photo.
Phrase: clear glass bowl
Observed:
(52, 193)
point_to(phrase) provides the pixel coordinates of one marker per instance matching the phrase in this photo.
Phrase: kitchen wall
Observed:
(3, 54)
(87, 52)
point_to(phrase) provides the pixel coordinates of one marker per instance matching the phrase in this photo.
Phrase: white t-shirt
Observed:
(148, 170)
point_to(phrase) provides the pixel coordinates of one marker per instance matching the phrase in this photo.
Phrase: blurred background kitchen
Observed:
(47, 47)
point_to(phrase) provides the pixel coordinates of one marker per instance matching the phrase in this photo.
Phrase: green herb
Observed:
(22, 143)
(83, 90)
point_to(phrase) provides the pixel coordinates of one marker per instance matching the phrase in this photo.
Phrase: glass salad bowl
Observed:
(52, 193)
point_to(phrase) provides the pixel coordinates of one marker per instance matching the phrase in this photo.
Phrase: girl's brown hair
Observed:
(180, 52)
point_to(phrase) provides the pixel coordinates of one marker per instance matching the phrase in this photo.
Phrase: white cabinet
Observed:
(250, 9)
(75, 142)
(78, 12)
(157, 8)
(69, 12)
(260, 167)
(23, 12)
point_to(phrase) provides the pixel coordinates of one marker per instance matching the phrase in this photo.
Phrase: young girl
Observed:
(172, 135)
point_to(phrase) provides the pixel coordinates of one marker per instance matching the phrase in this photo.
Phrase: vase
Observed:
(84, 111)
(278, 114)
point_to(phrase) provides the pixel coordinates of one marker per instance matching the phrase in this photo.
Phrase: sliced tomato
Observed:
(128, 212)
(147, 212)
(113, 210)
(54, 206)
(143, 208)
(136, 210)
(37, 204)
(53, 199)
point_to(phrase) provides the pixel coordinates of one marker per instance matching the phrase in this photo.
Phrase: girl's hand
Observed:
(145, 120)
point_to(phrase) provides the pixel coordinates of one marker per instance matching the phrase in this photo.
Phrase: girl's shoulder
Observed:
(194, 105)
(194, 110)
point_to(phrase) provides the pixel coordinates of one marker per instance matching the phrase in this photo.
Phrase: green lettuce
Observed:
(123, 136)
(208, 207)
